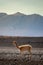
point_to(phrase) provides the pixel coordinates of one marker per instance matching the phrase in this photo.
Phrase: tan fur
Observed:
(23, 47)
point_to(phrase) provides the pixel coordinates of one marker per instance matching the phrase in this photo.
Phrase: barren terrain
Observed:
(12, 56)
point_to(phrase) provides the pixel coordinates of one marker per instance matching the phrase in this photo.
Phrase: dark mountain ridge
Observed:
(19, 24)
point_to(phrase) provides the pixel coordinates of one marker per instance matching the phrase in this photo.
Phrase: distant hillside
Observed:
(19, 24)
(2, 14)
(6, 41)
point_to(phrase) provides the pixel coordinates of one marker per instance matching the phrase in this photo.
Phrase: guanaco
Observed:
(23, 47)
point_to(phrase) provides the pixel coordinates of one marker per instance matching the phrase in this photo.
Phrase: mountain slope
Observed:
(19, 24)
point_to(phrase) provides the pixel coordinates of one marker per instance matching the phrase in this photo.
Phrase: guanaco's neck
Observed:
(15, 43)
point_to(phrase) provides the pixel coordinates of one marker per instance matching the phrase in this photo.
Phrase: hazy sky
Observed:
(24, 6)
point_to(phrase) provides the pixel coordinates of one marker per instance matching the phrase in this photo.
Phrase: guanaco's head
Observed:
(14, 43)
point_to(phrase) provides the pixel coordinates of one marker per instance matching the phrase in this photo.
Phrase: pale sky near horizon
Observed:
(23, 6)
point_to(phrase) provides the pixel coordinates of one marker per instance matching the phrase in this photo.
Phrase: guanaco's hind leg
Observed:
(30, 53)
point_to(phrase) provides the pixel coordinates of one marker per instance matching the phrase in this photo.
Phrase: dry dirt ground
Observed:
(12, 56)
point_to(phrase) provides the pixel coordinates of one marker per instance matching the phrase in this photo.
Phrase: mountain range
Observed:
(20, 24)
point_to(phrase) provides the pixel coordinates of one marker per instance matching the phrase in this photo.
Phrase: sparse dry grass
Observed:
(11, 56)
